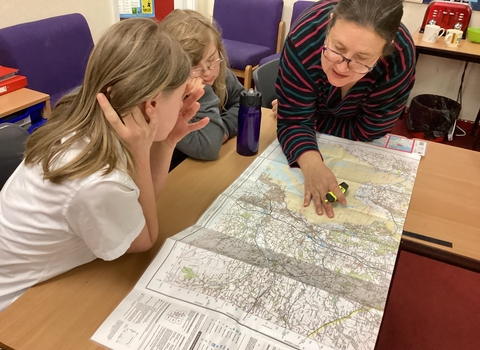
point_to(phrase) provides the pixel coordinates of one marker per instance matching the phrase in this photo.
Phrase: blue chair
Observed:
(265, 77)
(12, 146)
(251, 30)
(52, 53)
(298, 8)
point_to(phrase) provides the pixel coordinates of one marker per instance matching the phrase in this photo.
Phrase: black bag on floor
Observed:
(432, 116)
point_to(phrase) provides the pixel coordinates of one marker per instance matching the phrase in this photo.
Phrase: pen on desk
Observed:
(330, 197)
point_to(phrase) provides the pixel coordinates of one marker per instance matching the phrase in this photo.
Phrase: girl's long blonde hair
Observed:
(135, 60)
(195, 32)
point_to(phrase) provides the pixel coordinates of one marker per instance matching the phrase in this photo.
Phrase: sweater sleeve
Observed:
(297, 95)
(230, 111)
(205, 143)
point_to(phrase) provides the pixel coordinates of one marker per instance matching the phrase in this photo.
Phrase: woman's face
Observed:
(166, 108)
(211, 59)
(360, 44)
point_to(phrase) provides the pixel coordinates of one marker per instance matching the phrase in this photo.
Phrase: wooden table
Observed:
(64, 312)
(466, 50)
(23, 98)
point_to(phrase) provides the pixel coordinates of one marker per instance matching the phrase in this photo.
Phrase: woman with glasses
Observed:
(202, 42)
(347, 69)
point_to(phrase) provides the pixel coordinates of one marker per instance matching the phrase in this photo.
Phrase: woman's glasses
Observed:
(335, 57)
(195, 73)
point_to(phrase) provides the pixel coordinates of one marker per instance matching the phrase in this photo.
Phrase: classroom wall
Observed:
(435, 75)
(100, 14)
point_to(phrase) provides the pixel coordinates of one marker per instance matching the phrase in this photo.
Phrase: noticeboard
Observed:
(136, 8)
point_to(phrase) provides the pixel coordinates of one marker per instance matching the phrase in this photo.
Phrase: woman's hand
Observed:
(319, 180)
(275, 107)
(193, 92)
(133, 129)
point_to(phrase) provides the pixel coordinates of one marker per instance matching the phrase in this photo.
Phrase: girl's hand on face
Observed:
(319, 180)
(189, 109)
(195, 84)
(133, 129)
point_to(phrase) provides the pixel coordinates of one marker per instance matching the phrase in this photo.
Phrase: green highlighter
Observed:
(330, 197)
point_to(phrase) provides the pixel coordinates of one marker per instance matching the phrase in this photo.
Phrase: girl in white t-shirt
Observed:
(90, 179)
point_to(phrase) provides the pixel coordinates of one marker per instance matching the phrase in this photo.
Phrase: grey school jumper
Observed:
(205, 143)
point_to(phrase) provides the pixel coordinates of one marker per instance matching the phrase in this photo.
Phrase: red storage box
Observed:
(15, 83)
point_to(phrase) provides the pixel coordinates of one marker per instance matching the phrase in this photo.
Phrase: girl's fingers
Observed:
(139, 118)
(191, 99)
(110, 114)
(189, 113)
(198, 125)
(193, 85)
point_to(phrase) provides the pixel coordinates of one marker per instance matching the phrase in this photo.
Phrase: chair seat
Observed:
(242, 54)
(269, 58)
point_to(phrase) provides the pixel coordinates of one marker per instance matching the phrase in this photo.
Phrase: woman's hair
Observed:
(383, 16)
(132, 62)
(195, 33)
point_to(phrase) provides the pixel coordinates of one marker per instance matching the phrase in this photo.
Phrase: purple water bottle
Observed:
(249, 118)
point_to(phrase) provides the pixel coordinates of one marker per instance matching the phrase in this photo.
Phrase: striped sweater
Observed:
(307, 102)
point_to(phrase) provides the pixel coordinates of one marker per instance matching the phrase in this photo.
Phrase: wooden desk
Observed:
(466, 50)
(23, 98)
(64, 312)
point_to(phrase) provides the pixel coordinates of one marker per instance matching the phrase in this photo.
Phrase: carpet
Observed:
(431, 305)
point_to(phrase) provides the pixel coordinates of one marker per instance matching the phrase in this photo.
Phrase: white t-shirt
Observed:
(47, 229)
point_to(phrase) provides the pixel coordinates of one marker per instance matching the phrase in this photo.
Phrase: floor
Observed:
(466, 141)
(431, 306)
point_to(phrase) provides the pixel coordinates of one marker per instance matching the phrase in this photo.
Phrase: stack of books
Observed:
(10, 80)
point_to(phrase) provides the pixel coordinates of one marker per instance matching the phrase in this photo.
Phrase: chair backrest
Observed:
(245, 20)
(298, 8)
(52, 53)
(12, 146)
(264, 78)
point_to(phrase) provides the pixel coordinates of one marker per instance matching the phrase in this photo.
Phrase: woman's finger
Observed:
(318, 202)
(307, 198)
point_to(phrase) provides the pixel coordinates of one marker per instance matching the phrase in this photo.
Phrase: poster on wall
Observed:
(136, 8)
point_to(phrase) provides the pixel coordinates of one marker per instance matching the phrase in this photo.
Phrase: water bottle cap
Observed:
(251, 98)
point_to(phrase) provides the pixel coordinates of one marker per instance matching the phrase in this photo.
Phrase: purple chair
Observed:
(251, 29)
(52, 53)
(298, 8)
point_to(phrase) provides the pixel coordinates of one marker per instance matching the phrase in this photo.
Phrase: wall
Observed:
(100, 14)
(185, 4)
(163, 8)
(435, 75)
